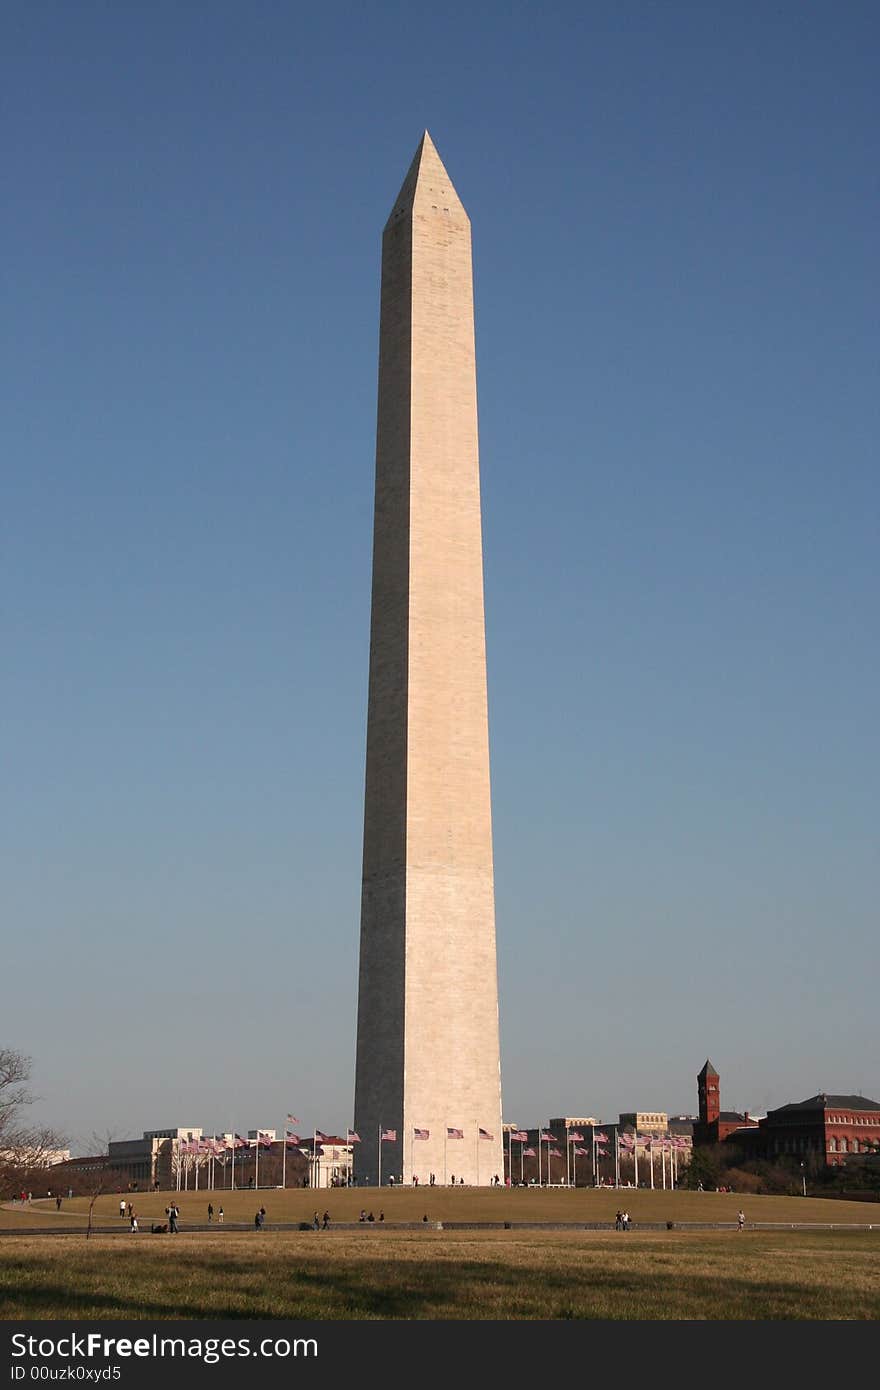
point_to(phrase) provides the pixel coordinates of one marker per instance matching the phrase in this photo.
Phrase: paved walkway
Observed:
(218, 1228)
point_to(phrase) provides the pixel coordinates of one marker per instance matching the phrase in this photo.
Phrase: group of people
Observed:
(211, 1214)
(125, 1210)
(621, 1221)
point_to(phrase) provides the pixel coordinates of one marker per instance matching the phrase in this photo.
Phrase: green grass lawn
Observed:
(380, 1272)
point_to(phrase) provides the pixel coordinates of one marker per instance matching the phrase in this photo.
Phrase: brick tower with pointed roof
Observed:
(716, 1125)
(708, 1094)
(428, 1061)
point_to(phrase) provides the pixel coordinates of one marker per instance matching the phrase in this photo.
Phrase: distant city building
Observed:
(330, 1161)
(35, 1157)
(716, 1125)
(254, 1134)
(645, 1121)
(831, 1130)
(572, 1122)
(154, 1158)
(187, 1132)
(683, 1125)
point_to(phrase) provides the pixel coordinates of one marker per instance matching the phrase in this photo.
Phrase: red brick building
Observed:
(715, 1125)
(832, 1130)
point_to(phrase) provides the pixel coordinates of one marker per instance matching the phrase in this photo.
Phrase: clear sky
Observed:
(674, 212)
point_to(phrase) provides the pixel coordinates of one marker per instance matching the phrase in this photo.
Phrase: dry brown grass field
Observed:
(388, 1271)
(550, 1205)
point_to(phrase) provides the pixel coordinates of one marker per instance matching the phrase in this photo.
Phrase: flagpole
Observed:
(539, 1158)
(380, 1154)
(522, 1175)
(284, 1158)
(567, 1156)
(445, 1167)
(635, 1158)
(232, 1173)
(616, 1157)
(315, 1158)
(477, 1127)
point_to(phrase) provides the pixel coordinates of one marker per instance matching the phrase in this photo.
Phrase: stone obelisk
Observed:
(428, 1061)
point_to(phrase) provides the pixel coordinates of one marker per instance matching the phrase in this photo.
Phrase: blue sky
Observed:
(674, 213)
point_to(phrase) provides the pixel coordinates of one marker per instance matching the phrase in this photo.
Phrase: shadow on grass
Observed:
(463, 1290)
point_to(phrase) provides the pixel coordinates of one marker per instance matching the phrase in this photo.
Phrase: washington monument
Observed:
(428, 1060)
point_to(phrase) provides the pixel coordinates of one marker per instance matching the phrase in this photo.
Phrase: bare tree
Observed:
(24, 1149)
(102, 1176)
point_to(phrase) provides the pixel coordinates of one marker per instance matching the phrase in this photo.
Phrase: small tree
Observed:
(704, 1170)
(101, 1177)
(24, 1148)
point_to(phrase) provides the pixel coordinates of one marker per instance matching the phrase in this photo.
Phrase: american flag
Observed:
(292, 1120)
(519, 1135)
(455, 1134)
(353, 1137)
(574, 1137)
(600, 1138)
(293, 1141)
(553, 1153)
(263, 1139)
(321, 1137)
(421, 1134)
(548, 1138)
(484, 1134)
(389, 1134)
(580, 1151)
(528, 1153)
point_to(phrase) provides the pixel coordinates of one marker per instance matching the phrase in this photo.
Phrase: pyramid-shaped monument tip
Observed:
(426, 182)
